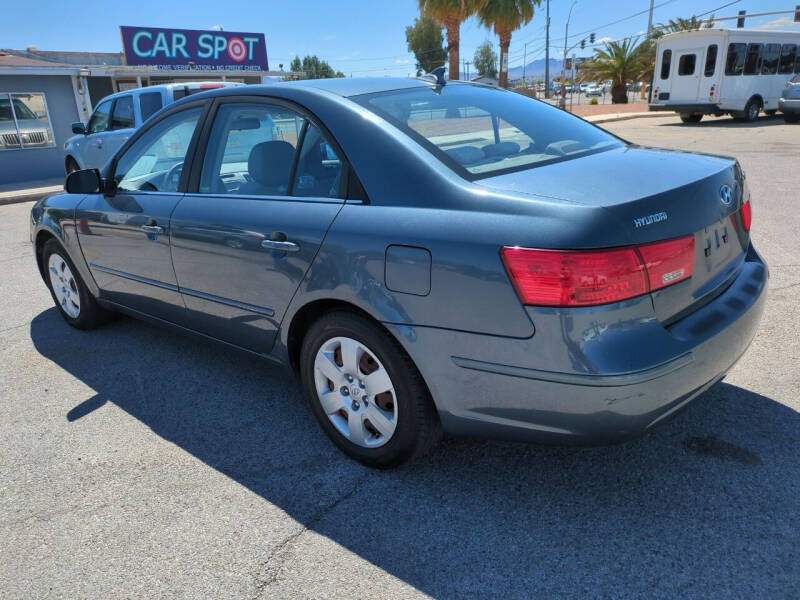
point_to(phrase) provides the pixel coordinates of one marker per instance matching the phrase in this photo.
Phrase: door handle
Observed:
(156, 229)
(281, 245)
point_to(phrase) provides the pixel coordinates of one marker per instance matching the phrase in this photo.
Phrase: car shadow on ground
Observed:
(725, 122)
(704, 506)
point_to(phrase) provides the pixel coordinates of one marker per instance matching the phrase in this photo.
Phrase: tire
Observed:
(751, 110)
(691, 118)
(791, 117)
(71, 165)
(350, 348)
(70, 294)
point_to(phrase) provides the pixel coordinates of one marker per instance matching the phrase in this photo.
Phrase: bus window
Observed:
(788, 56)
(752, 63)
(772, 53)
(686, 64)
(735, 60)
(711, 60)
(666, 59)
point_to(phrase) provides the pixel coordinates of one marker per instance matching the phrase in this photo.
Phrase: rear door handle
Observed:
(283, 246)
(157, 229)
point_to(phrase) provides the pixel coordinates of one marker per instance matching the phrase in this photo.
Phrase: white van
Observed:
(723, 71)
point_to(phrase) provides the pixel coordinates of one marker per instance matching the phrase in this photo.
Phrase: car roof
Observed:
(355, 86)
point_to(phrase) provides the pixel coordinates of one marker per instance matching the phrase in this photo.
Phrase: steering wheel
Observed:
(174, 173)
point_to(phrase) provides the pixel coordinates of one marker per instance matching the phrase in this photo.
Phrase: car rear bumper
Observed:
(789, 105)
(491, 386)
(698, 109)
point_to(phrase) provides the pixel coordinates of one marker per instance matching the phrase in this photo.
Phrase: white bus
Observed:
(738, 72)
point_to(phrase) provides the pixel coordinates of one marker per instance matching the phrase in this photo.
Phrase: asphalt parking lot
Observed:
(138, 463)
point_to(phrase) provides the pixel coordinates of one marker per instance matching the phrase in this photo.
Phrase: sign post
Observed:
(176, 49)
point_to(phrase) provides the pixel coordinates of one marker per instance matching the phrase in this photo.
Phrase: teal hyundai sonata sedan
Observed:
(427, 256)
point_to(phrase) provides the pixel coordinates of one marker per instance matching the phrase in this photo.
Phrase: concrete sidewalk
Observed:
(624, 116)
(25, 191)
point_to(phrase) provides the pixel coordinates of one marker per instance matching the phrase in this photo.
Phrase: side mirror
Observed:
(79, 128)
(86, 181)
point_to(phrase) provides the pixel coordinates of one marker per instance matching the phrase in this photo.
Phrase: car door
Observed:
(92, 145)
(258, 209)
(125, 236)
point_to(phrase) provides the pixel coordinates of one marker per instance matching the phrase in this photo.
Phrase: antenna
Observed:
(436, 76)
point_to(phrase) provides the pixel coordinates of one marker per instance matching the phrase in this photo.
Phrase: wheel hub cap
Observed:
(355, 391)
(65, 287)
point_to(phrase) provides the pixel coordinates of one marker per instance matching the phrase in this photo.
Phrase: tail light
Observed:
(711, 91)
(747, 215)
(590, 277)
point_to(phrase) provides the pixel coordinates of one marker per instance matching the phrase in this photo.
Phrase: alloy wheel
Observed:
(64, 285)
(355, 392)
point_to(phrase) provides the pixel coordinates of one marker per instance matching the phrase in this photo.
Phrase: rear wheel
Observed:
(691, 118)
(366, 393)
(791, 117)
(73, 299)
(751, 110)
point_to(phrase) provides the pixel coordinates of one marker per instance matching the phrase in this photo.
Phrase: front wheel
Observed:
(73, 299)
(365, 392)
(691, 118)
(71, 165)
(751, 110)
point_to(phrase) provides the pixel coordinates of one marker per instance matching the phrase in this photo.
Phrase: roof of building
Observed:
(13, 60)
(51, 57)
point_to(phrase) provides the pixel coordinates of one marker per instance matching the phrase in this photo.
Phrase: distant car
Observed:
(34, 132)
(789, 102)
(425, 256)
(117, 116)
(594, 90)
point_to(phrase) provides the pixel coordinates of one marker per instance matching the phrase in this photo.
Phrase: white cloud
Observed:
(402, 61)
(780, 23)
(605, 40)
(216, 28)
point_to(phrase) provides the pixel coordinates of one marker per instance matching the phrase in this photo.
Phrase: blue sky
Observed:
(358, 37)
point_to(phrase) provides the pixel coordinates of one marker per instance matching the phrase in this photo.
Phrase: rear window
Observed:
(711, 60)
(752, 63)
(769, 64)
(686, 64)
(480, 132)
(150, 103)
(666, 59)
(734, 63)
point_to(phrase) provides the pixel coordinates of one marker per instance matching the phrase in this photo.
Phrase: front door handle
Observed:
(281, 245)
(156, 229)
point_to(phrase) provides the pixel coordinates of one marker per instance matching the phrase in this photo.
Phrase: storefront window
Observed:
(24, 122)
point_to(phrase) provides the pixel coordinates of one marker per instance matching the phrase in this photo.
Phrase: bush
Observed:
(593, 101)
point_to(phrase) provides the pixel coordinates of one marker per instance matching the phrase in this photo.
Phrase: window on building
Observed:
(24, 122)
(149, 103)
(666, 59)
(788, 58)
(686, 64)
(734, 63)
(769, 64)
(752, 62)
(711, 60)
(122, 118)
(100, 118)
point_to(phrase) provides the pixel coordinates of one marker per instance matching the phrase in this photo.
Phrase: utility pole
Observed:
(467, 63)
(650, 20)
(562, 102)
(524, 63)
(547, 53)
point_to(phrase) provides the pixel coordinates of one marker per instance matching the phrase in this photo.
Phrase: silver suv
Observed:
(117, 116)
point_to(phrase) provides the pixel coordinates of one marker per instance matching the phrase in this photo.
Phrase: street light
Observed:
(562, 102)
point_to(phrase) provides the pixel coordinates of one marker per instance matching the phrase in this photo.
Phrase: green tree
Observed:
(451, 13)
(312, 68)
(505, 17)
(485, 60)
(679, 24)
(621, 62)
(424, 39)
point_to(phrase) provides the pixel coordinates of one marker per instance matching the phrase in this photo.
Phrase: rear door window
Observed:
(769, 64)
(752, 63)
(149, 103)
(122, 117)
(788, 57)
(101, 118)
(734, 63)
(319, 168)
(666, 59)
(686, 64)
(711, 60)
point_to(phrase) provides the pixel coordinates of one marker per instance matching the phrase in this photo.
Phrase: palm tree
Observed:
(451, 13)
(506, 16)
(681, 24)
(621, 62)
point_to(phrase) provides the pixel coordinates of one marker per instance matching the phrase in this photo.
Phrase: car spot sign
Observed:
(177, 48)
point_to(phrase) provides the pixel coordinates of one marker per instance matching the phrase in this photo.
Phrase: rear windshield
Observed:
(481, 131)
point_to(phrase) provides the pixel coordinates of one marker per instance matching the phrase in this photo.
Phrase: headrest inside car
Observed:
(270, 162)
